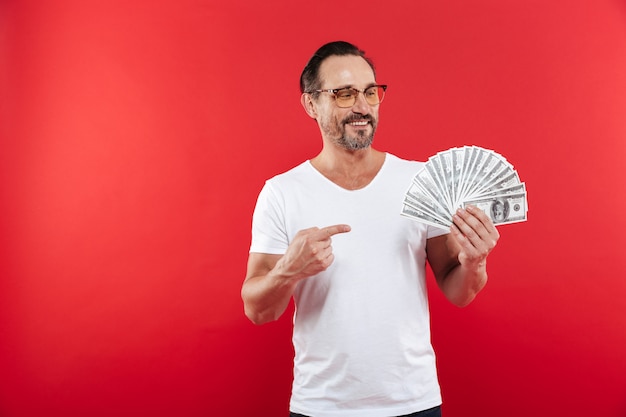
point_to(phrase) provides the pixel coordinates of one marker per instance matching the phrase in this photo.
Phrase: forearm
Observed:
(459, 259)
(461, 284)
(266, 298)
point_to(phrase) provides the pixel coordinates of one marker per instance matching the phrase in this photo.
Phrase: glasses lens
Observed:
(346, 97)
(374, 95)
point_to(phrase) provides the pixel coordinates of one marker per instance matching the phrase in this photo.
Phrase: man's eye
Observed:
(344, 94)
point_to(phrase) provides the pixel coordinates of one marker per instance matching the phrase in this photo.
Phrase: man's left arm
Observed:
(459, 259)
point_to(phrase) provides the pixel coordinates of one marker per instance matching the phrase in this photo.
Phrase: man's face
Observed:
(351, 128)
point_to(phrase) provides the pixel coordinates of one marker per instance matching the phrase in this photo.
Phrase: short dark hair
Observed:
(309, 79)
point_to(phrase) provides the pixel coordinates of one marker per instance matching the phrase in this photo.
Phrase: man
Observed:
(361, 328)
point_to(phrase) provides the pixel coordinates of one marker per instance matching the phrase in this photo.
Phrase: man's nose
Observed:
(360, 105)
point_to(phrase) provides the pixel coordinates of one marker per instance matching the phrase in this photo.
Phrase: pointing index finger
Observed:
(335, 229)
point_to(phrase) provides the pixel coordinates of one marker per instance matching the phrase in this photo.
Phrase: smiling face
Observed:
(351, 128)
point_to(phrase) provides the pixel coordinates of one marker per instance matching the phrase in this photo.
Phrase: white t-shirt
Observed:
(361, 328)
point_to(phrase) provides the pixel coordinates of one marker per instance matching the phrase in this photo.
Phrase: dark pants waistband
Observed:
(431, 412)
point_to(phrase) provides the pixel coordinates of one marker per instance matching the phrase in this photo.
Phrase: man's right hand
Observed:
(271, 279)
(310, 252)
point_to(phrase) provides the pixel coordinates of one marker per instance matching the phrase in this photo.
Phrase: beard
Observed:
(360, 140)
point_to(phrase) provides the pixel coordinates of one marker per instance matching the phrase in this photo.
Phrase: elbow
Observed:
(261, 308)
(252, 312)
(463, 302)
(253, 316)
(258, 318)
(256, 314)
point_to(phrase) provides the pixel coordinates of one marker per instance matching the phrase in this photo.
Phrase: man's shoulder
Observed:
(295, 175)
(399, 163)
(296, 171)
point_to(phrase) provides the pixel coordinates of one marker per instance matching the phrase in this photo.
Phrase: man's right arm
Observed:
(272, 279)
(265, 292)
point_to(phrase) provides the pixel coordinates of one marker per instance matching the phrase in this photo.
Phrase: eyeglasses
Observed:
(346, 97)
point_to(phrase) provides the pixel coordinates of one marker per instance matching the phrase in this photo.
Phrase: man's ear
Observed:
(307, 102)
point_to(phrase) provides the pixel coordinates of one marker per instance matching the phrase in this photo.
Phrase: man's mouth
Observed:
(358, 122)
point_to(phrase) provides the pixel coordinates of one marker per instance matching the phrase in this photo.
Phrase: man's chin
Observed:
(355, 144)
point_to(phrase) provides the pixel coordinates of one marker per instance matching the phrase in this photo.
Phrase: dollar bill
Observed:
(418, 198)
(424, 184)
(502, 209)
(472, 153)
(435, 170)
(514, 189)
(423, 217)
(458, 161)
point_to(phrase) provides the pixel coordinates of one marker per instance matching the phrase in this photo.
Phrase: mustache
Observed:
(357, 118)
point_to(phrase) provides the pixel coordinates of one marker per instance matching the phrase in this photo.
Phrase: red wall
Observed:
(135, 137)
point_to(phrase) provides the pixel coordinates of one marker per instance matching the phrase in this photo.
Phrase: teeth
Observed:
(359, 123)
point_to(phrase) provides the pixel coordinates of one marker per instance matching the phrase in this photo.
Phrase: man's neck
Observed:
(349, 169)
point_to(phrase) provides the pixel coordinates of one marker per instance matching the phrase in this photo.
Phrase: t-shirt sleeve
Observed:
(268, 223)
(433, 231)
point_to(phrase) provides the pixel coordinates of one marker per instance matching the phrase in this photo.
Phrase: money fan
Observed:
(464, 176)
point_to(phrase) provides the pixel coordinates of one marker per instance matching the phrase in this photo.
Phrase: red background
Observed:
(136, 136)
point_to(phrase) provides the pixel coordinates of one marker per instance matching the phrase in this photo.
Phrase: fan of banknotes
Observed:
(464, 176)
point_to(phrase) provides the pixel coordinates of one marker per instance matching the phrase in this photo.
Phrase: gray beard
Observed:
(361, 141)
